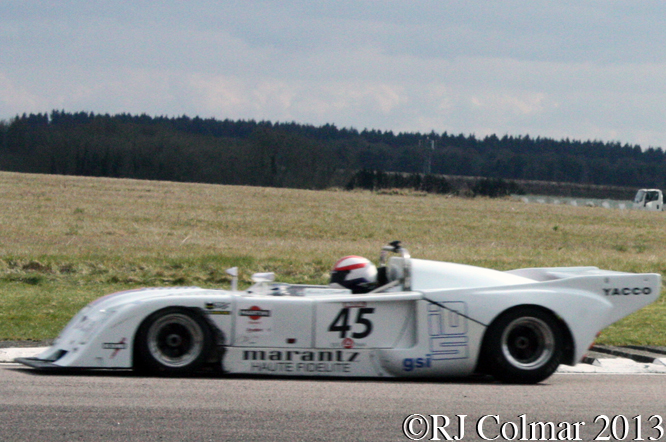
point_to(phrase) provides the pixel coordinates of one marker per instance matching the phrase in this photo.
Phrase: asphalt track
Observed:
(119, 406)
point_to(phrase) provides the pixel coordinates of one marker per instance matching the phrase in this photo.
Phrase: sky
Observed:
(584, 70)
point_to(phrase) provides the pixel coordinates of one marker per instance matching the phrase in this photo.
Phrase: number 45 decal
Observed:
(341, 323)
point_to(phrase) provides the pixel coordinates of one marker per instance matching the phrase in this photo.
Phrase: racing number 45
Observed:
(341, 323)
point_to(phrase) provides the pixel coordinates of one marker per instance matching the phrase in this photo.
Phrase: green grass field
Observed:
(67, 240)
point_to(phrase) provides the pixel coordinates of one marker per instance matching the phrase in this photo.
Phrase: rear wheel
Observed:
(523, 346)
(172, 341)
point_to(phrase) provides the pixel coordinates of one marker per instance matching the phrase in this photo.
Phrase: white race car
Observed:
(416, 318)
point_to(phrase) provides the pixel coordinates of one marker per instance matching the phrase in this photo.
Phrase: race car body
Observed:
(424, 319)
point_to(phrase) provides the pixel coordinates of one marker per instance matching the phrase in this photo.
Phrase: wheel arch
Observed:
(568, 344)
(218, 338)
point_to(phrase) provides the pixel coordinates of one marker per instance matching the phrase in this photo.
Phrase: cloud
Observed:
(558, 69)
(13, 95)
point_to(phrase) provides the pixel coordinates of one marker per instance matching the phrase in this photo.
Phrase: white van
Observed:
(649, 199)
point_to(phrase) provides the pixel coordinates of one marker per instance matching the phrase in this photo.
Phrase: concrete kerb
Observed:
(648, 355)
(9, 354)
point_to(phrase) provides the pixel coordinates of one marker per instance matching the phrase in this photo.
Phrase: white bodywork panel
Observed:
(428, 275)
(434, 329)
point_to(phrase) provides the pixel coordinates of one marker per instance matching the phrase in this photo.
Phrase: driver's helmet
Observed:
(355, 273)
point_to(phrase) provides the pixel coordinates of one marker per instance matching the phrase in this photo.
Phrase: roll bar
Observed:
(396, 247)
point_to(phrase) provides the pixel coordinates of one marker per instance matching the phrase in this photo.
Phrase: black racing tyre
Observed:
(523, 346)
(172, 341)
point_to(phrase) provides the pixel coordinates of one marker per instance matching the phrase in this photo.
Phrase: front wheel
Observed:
(523, 346)
(173, 341)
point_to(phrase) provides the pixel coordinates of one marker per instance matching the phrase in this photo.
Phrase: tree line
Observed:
(296, 155)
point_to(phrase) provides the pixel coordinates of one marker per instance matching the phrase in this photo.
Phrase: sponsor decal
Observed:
(347, 343)
(355, 304)
(409, 364)
(218, 308)
(448, 331)
(626, 291)
(255, 313)
(301, 361)
(301, 355)
(255, 321)
(115, 346)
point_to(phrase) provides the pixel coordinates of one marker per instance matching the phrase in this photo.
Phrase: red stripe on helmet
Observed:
(350, 266)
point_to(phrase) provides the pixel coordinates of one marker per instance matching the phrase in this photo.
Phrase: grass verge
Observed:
(67, 240)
